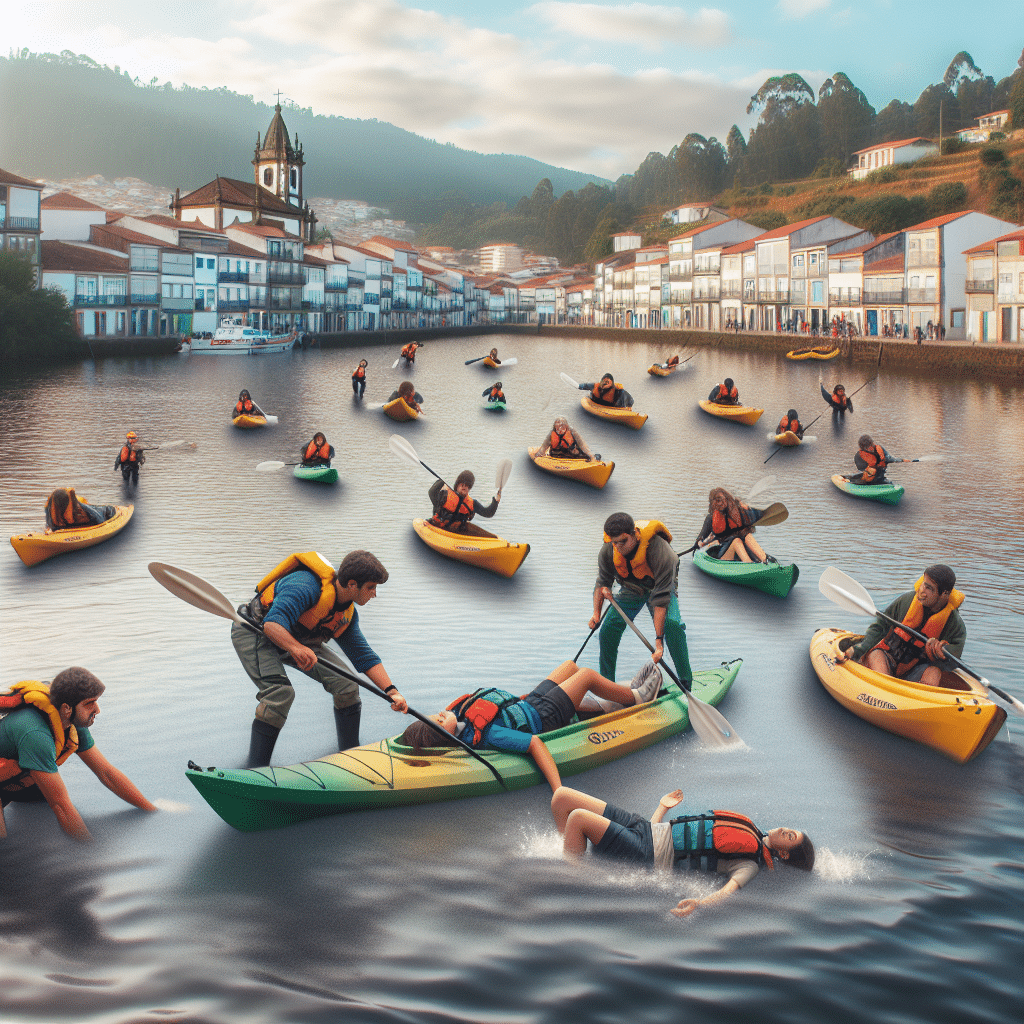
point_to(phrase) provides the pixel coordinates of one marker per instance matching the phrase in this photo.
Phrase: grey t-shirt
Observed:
(663, 561)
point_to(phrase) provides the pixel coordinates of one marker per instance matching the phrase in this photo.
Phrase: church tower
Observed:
(278, 164)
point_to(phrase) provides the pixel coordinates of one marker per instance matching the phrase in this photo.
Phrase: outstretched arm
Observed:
(115, 780)
(684, 908)
(667, 802)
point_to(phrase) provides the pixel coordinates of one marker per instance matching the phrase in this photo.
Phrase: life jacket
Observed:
(324, 620)
(359, 373)
(129, 454)
(836, 401)
(701, 839)
(476, 710)
(497, 395)
(244, 405)
(788, 424)
(673, 361)
(598, 395)
(636, 567)
(723, 392)
(723, 522)
(563, 443)
(36, 695)
(899, 643)
(875, 458)
(455, 511)
(409, 351)
(73, 515)
(312, 452)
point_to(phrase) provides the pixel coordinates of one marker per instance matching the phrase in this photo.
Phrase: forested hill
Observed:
(66, 116)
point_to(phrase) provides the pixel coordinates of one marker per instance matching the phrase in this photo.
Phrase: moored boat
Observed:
(478, 547)
(736, 413)
(773, 578)
(595, 474)
(247, 422)
(318, 474)
(614, 413)
(388, 774)
(33, 548)
(235, 338)
(887, 493)
(815, 352)
(400, 410)
(957, 718)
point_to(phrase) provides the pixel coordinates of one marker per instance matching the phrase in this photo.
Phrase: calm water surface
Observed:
(464, 911)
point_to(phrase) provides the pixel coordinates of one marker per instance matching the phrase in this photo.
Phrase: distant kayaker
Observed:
(672, 361)
(871, 459)
(639, 556)
(790, 422)
(498, 720)
(725, 393)
(607, 392)
(359, 379)
(728, 518)
(130, 458)
(837, 400)
(725, 842)
(930, 608)
(44, 727)
(408, 352)
(494, 393)
(564, 442)
(318, 452)
(64, 511)
(453, 510)
(301, 605)
(245, 406)
(408, 393)
(493, 356)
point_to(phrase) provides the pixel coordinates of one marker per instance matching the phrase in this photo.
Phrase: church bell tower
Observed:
(278, 164)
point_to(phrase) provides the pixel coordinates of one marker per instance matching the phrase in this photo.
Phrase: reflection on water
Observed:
(464, 912)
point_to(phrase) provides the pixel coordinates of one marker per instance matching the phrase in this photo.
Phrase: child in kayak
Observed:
(65, 512)
(725, 517)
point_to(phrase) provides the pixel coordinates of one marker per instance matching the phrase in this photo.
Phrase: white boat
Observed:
(235, 338)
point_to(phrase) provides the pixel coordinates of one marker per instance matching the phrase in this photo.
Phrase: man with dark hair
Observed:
(302, 604)
(453, 509)
(723, 841)
(639, 555)
(44, 727)
(837, 399)
(725, 393)
(871, 459)
(930, 608)
(607, 391)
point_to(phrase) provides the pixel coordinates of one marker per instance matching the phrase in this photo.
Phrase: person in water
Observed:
(790, 422)
(607, 392)
(725, 842)
(725, 393)
(930, 608)
(494, 393)
(837, 400)
(65, 512)
(564, 442)
(408, 393)
(725, 517)
(45, 725)
(871, 459)
(493, 356)
(408, 352)
(359, 379)
(301, 605)
(130, 458)
(318, 452)
(639, 556)
(494, 719)
(245, 406)
(453, 509)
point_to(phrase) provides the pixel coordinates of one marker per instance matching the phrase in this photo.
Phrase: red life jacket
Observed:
(598, 395)
(723, 522)
(788, 424)
(701, 839)
(673, 361)
(409, 351)
(497, 395)
(454, 512)
(244, 406)
(476, 710)
(723, 392)
(129, 454)
(359, 373)
(562, 443)
(312, 452)
(900, 643)
(875, 459)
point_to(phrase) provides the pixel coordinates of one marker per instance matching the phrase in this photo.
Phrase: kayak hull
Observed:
(386, 774)
(594, 474)
(246, 422)
(657, 370)
(484, 550)
(888, 493)
(736, 413)
(774, 579)
(787, 439)
(400, 411)
(490, 363)
(495, 406)
(317, 474)
(820, 352)
(957, 719)
(614, 413)
(33, 548)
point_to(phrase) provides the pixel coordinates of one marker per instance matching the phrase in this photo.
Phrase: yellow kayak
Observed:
(490, 363)
(615, 413)
(657, 370)
(246, 422)
(593, 473)
(787, 439)
(479, 548)
(399, 410)
(817, 352)
(34, 548)
(957, 718)
(737, 413)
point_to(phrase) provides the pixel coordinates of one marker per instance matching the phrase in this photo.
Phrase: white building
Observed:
(887, 154)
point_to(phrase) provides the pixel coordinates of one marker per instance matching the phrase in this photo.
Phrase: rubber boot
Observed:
(261, 744)
(346, 721)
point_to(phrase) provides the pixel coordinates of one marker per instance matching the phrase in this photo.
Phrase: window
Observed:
(199, 263)
(294, 178)
(798, 261)
(268, 177)
(210, 264)
(177, 263)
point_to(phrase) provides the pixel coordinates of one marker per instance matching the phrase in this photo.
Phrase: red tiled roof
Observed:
(890, 265)
(893, 145)
(235, 193)
(263, 230)
(739, 247)
(125, 235)
(113, 216)
(66, 256)
(6, 178)
(393, 243)
(938, 222)
(989, 246)
(67, 201)
(787, 229)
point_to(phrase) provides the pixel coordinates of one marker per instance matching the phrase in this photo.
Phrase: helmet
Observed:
(131, 436)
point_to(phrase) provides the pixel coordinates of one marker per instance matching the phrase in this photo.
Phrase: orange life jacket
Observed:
(899, 642)
(129, 454)
(476, 710)
(409, 351)
(37, 695)
(324, 620)
(723, 522)
(243, 406)
(312, 452)
(875, 458)
(598, 395)
(701, 839)
(73, 515)
(673, 361)
(359, 373)
(636, 567)
(454, 512)
(497, 395)
(723, 392)
(788, 424)
(562, 443)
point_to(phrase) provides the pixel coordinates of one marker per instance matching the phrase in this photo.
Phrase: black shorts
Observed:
(553, 705)
(628, 838)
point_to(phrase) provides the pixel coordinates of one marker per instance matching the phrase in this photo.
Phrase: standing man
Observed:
(130, 458)
(640, 557)
(301, 604)
(44, 727)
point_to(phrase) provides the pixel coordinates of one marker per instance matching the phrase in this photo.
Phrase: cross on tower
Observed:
(279, 97)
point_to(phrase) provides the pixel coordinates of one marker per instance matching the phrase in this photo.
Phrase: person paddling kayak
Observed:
(453, 509)
(725, 393)
(871, 459)
(564, 442)
(65, 512)
(725, 516)
(245, 406)
(607, 392)
(494, 393)
(408, 393)
(318, 452)
(408, 352)
(790, 422)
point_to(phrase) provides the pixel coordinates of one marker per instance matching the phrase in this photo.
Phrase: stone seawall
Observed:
(400, 337)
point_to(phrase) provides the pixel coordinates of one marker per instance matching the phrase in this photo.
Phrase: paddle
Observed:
(394, 365)
(162, 447)
(846, 592)
(404, 450)
(271, 466)
(477, 360)
(504, 471)
(568, 380)
(196, 591)
(665, 366)
(773, 515)
(590, 634)
(708, 723)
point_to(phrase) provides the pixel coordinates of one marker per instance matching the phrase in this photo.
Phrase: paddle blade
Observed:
(568, 380)
(504, 472)
(762, 485)
(269, 467)
(846, 592)
(710, 725)
(193, 590)
(403, 449)
(509, 362)
(271, 421)
(773, 515)
(394, 365)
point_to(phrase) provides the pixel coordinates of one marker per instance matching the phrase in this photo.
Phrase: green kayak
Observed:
(887, 493)
(495, 406)
(777, 580)
(387, 774)
(319, 474)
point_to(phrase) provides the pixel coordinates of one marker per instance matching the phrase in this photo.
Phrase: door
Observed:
(872, 315)
(1006, 333)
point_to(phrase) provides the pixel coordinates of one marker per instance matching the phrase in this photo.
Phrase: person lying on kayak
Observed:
(671, 361)
(493, 356)
(44, 727)
(790, 422)
(245, 406)
(65, 512)
(930, 608)
(564, 443)
(495, 719)
(408, 393)
(318, 452)
(725, 842)
(409, 351)
(359, 379)
(494, 393)
(837, 400)
(607, 392)
(130, 458)
(725, 517)
(871, 459)
(453, 510)
(725, 394)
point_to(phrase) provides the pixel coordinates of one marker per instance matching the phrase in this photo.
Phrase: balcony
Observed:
(979, 286)
(371, 299)
(232, 305)
(101, 300)
(731, 290)
(844, 297)
(782, 297)
(680, 275)
(179, 305)
(921, 295)
(800, 271)
(145, 300)
(336, 286)
(289, 303)
(353, 307)
(894, 297)
(772, 270)
(385, 293)
(278, 276)
(922, 259)
(22, 223)
(241, 276)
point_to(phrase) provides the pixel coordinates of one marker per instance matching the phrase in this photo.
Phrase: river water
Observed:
(464, 911)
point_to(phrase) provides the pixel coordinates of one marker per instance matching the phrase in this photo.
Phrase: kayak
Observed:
(777, 580)
(887, 493)
(615, 413)
(737, 413)
(34, 548)
(247, 422)
(817, 352)
(495, 406)
(595, 474)
(318, 474)
(658, 370)
(490, 363)
(399, 410)
(957, 718)
(387, 774)
(788, 439)
(479, 548)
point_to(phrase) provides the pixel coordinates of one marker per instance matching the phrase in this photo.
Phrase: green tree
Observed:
(927, 109)
(845, 118)
(894, 122)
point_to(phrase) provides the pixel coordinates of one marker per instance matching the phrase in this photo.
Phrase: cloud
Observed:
(801, 8)
(649, 24)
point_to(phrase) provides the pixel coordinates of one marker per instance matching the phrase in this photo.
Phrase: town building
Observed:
(888, 154)
(95, 283)
(500, 258)
(995, 289)
(20, 218)
(694, 213)
(996, 121)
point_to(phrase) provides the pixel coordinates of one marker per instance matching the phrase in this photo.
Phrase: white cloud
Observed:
(653, 25)
(801, 8)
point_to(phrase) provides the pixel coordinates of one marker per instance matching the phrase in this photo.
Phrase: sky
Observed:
(592, 86)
